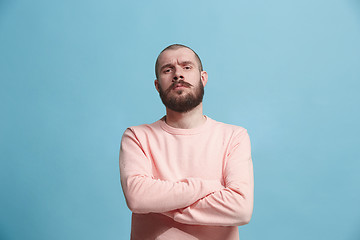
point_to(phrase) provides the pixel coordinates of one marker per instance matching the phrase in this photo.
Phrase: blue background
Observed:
(74, 74)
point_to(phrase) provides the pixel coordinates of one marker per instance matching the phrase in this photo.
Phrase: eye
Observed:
(167, 70)
(187, 67)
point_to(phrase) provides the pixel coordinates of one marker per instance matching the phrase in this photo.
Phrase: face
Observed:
(180, 82)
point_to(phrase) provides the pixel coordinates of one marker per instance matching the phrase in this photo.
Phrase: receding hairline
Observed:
(175, 47)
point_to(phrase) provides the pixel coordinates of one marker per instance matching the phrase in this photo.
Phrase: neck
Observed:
(191, 119)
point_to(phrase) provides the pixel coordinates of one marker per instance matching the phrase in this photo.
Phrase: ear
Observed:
(204, 77)
(156, 82)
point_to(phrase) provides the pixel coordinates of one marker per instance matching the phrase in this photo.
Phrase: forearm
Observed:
(227, 207)
(144, 194)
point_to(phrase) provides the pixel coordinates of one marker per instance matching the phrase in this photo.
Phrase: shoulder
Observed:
(233, 130)
(143, 129)
(236, 138)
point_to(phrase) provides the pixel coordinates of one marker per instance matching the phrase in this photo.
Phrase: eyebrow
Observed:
(165, 66)
(182, 63)
(187, 63)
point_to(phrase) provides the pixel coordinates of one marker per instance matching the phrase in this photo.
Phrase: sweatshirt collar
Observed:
(184, 131)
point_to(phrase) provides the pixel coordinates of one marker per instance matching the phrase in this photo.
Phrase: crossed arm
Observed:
(192, 200)
(145, 194)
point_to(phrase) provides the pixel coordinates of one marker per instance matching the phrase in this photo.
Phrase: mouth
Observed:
(179, 86)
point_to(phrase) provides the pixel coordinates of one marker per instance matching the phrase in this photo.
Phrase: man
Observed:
(186, 176)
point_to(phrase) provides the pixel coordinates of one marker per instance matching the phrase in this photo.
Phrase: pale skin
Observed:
(177, 64)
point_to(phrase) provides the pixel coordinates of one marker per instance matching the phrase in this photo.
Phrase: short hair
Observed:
(174, 47)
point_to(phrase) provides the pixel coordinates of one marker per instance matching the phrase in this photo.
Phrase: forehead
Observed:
(177, 55)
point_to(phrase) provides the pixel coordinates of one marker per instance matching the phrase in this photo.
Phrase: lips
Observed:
(179, 86)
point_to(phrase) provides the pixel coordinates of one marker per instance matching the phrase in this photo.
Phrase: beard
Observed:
(179, 101)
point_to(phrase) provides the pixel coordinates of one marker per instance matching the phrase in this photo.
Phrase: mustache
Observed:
(182, 82)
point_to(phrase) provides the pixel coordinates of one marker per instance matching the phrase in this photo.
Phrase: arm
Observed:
(233, 205)
(144, 193)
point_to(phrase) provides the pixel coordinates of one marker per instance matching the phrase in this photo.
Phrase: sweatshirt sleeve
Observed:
(144, 193)
(233, 205)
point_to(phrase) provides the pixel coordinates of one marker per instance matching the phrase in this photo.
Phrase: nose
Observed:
(178, 75)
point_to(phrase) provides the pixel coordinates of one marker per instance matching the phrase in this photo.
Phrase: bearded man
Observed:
(186, 176)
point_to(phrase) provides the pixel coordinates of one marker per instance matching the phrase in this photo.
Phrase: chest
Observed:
(176, 157)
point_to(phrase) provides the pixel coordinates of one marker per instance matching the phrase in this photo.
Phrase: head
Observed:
(180, 78)
(174, 47)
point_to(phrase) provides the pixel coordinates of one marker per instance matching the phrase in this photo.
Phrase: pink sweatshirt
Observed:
(187, 183)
